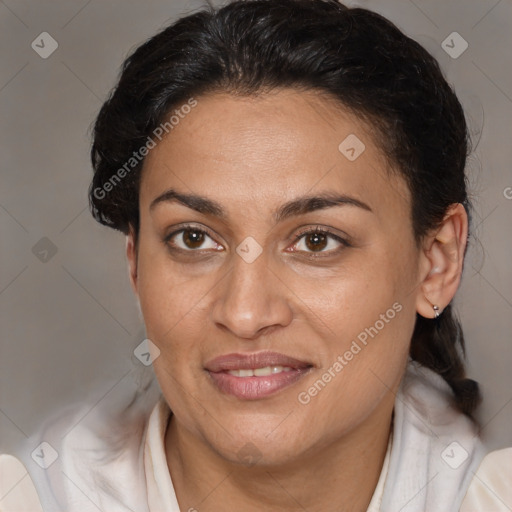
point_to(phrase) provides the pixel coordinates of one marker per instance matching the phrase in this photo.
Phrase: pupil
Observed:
(316, 241)
(193, 239)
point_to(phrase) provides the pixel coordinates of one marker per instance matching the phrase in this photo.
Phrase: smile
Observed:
(260, 372)
(255, 376)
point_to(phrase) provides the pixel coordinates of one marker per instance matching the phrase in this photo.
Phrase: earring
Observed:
(436, 311)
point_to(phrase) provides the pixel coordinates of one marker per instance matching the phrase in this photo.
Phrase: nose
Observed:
(252, 300)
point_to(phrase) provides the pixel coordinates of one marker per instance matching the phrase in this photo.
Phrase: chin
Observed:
(259, 454)
(251, 446)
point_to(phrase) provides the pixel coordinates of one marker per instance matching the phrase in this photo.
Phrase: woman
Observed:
(290, 178)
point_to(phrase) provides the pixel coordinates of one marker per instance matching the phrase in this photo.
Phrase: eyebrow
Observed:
(198, 203)
(299, 206)
(307, 204)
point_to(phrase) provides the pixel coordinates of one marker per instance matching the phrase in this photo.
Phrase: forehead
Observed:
(266, 149)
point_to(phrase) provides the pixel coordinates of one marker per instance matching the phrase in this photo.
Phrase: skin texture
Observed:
(251, 155)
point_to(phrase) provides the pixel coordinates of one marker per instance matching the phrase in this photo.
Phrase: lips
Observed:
(255, 376)
(253, 361)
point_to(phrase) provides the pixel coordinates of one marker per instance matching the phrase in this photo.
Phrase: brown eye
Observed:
(316, 241)
(319, 241)
(193, 238)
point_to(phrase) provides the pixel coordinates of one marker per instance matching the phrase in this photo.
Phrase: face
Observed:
(276, 271)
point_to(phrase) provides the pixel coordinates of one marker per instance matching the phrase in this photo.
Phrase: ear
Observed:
(442, 261)
(131, 256)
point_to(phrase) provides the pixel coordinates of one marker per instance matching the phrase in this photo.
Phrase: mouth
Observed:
(260, 372)
(255, 376)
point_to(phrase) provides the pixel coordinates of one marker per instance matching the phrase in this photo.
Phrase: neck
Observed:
(341, 475)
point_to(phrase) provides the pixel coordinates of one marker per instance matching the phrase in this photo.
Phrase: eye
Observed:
(192, 238)
(318, 240)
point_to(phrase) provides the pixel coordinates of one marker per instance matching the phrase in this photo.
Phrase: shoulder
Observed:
(92, 457)
(436, 449)
(17, 491)
(99, 459)
(491, 486)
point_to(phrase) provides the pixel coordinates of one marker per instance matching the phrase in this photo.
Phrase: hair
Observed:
(353, 55)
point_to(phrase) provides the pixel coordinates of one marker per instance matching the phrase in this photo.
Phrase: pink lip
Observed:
(252, 361)
(253, 388)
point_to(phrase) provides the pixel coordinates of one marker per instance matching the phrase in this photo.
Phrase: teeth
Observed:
(245, 373)
(260, 372)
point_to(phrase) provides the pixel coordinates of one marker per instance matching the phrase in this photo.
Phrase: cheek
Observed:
(365, 355)
(365, 315)
(173, 309)
(365, 285)
(167, 296)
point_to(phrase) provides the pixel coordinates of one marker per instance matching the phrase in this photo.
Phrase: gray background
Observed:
(69, 324)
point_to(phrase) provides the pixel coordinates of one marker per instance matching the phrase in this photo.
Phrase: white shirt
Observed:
(139, 480)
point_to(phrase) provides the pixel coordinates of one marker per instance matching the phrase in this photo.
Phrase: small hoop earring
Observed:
(436, 311)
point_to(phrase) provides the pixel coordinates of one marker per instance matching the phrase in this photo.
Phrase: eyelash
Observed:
(310, 231)
(324, 231)
(182, 229)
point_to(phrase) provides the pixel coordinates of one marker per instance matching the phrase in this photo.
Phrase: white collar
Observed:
(161, 495)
